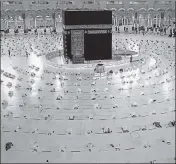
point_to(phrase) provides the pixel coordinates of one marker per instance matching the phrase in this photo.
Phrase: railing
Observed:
(63, 6)
(53, 64)
(116, 6)
(88, 65)
(162, 6)
(91, 6)
(107, 63)
(139, 6)
(12, 7)
(52, 55)
(40, 7)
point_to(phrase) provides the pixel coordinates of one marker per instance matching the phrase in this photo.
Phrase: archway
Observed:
(142, 16)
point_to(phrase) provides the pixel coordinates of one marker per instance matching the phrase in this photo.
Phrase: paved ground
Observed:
(107, 119)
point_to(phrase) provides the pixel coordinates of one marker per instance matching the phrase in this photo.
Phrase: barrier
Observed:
(78, 60)
(77, 63)
(52, 55)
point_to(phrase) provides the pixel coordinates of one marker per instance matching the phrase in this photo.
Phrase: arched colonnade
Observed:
(52, 18)
(143, 17)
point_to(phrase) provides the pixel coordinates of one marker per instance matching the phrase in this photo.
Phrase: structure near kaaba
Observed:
(87, 35)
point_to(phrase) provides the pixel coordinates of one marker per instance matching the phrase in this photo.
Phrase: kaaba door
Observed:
(77, 42)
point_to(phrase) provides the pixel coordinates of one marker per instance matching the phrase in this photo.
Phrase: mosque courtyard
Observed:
(68, 113)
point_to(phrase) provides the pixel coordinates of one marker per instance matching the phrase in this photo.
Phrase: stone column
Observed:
(45, 22)
(6, 24)
(16, 25)
(132, 21)
(60, 19)
(151, 22)
(162, 19)
(28, 22)
(135, 17)
(54, 20)
(127, 21)
(24, 21)
(2, 22)
(35, 22)
(165, 21)
(169, 21)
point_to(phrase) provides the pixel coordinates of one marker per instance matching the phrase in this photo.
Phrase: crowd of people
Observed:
(165, 30)
(23, 46)
(45, 100)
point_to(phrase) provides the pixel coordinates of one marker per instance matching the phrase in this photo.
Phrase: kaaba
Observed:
(87, 35)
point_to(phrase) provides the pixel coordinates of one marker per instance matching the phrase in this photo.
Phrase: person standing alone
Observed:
(26, 54)
(9, 53)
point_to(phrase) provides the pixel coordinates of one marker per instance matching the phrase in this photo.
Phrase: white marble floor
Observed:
(69, 115)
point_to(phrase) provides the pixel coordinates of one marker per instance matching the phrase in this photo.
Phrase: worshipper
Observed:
(35, 31)
(10, 93)
(4, 104)
(17, 128)
(157, 124)
(111, 71)
(171, 123)
(152, 162)
(59, 97)
(125, 129)
(106, 130)
(165, 30)
(170, 35)
(9, 53)
(71, 117)
(121, 70)
(131, 59)
(175, 34)
(9, 84)
(146, 145)
(43, 39)
(26, 54)
(127, 29)
(8, 145)
(132, 28)
(143, 128)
